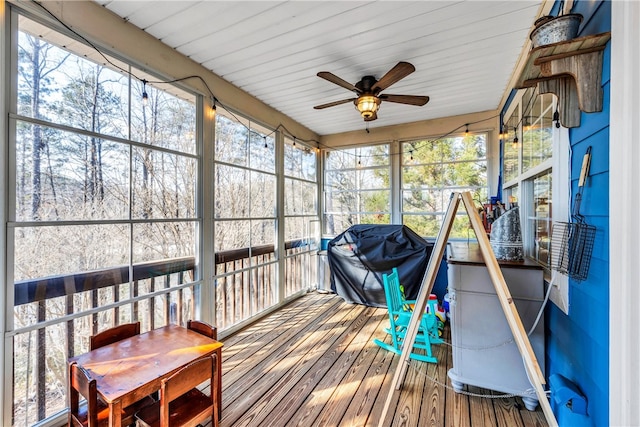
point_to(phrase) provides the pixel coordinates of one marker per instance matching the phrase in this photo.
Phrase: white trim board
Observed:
(624, 205)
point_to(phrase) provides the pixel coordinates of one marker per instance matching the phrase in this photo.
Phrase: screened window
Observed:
(301, 224)
(104, 185)
(357, 188)
(530, 142)
(540, 221)
(245, 218)
(432, 170)
(537, 131)
(511, 165)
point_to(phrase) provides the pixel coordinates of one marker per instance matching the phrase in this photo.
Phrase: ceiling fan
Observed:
(368, 90)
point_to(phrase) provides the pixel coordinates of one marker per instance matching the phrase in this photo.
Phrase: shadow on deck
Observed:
(313, 363)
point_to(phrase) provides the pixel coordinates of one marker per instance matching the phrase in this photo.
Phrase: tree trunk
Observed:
(98, 185)
(36, 185)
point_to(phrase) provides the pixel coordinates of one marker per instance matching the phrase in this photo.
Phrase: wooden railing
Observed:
(241, 296)
(66, 295)
(246, 284)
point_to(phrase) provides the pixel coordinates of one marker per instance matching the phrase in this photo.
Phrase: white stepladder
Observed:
(502, 291)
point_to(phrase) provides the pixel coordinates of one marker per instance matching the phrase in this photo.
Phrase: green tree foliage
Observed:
(431, 171)
(358, 183)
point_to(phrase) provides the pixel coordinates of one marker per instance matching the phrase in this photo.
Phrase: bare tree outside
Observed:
(357, 187)
(107, 185)
(301, 227)
(245, 217)
(79, 184)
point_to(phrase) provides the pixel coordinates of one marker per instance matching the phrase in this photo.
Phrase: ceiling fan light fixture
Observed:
(367, 105)
(368, 91)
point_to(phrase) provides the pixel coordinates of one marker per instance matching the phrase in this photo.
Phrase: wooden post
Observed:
(502, 291)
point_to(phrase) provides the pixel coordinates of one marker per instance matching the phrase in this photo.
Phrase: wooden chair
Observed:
(114, 334)
(203, 328)
(95, 413)
(399, 316)
(181, 402)
(211, 332)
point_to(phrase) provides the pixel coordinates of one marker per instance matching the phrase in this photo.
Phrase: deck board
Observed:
(341, 383)
(285, 374)
(433, 395)
(457, 411)
(270, 340)
(320, 367)
(482, 409)
(313, 363)
(284, 365)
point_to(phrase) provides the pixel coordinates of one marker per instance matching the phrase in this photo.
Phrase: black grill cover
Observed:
(363, 253)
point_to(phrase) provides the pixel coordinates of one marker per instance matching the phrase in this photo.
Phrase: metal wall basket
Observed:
(572, 242)
(571, 248)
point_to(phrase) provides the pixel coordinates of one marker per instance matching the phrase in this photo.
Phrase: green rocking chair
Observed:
(400, 311)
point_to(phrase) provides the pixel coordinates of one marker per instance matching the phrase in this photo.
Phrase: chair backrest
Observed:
(185, 381)
(203, 328)
(114, 334)
(81, 384)
(95, 413)
(211, 332)
(391, 284)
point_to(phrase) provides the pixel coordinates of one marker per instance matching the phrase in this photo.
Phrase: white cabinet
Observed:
(484, 351)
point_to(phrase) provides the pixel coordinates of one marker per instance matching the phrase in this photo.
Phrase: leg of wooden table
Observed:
(219, 390)
(115, 412)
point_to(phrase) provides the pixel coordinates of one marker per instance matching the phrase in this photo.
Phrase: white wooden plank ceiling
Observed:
(464, 51)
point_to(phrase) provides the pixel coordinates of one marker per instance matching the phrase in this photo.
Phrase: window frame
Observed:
(128, 144)
(559, 166)
(359, 166)
(230, 322)
(301, 262)
(443, 163)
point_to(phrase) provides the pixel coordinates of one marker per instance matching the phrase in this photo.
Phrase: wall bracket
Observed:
(571, 70)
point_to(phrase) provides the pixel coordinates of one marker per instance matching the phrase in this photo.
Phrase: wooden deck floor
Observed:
(313, 363)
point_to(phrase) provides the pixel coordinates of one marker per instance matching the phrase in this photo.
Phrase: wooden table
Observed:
(128, 370)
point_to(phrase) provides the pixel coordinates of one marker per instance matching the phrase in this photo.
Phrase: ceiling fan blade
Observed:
(400, 71)
(405, 99)
(337, 80)
(331, 104)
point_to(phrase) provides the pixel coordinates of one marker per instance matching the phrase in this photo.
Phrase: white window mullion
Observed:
(7, 57)
(280, 217)
(207, 296)
(559, 165)
(561, 194)
(395, 152)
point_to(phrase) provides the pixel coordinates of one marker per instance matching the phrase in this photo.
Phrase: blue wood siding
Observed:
(578, 343)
